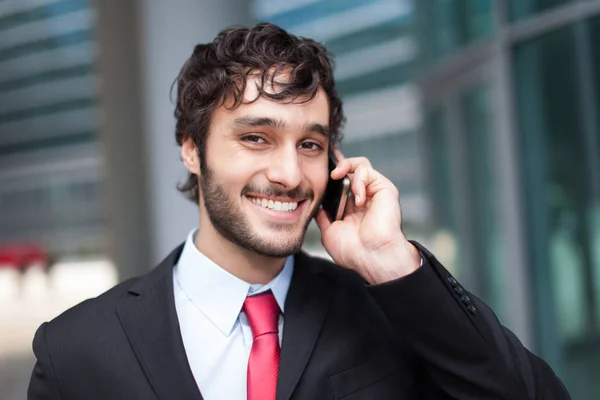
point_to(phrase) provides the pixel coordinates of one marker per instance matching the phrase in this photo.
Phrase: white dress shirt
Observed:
(216, 334)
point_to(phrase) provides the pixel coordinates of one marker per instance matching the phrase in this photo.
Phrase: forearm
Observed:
(463, 346)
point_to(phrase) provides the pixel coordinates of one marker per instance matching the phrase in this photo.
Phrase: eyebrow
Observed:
(276, 123)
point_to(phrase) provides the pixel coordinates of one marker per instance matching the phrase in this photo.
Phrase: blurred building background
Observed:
(50, 158)
(484, 113)
(511, 93)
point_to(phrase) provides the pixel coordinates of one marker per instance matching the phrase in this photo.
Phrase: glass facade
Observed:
(483, 196)
(50, 169)
(594, 34)
(445, 26)
(445, 199)
(560, 192)
(463, 186)
(517, 115)
(520, 9)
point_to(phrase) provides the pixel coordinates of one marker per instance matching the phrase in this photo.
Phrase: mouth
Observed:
(280, 210)
(276, 204)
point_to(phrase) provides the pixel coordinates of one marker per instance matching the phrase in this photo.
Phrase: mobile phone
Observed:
(336, 193)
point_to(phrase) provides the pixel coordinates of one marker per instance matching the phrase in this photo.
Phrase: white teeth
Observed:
(275, 205)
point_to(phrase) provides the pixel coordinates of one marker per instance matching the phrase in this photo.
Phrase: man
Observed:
(238, 311)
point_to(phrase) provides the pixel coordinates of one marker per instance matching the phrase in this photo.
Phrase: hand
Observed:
(369, 239)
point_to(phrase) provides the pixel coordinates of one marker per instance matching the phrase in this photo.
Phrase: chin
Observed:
(277, 245)
(277, 251)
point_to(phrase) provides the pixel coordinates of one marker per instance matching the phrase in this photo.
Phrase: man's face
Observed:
(266, 172)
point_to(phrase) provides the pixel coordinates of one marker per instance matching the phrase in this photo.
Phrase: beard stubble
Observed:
(231, 223)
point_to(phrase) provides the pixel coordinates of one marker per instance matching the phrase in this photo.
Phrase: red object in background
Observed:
(21, 255)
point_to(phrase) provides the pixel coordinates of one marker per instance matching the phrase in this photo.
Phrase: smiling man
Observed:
(261, 176)
(238, 311)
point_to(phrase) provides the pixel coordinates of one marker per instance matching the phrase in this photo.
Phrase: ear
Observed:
(189, 155)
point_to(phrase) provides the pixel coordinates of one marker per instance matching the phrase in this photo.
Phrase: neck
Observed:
(238, 261)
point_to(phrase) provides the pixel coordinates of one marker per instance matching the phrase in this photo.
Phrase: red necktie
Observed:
(263, 315)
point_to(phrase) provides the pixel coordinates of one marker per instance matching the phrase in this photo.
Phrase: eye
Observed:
(254, 139)
(311, 146)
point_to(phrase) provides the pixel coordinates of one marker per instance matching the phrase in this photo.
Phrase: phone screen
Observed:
(336, 194)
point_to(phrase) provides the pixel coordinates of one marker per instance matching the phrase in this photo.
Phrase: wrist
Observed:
(394, 263)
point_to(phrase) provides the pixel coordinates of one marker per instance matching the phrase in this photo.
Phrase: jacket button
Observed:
(465, 299)
(459, 289)
(452, 281)
(471, 309)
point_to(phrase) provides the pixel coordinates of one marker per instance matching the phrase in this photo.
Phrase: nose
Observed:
(285, 169)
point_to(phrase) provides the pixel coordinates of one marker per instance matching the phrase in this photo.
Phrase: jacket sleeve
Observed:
(44, 383)
(463, 347)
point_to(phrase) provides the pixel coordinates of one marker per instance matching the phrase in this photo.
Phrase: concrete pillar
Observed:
(169, 35)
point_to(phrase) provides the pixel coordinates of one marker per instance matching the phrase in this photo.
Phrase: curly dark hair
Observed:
(216, 75)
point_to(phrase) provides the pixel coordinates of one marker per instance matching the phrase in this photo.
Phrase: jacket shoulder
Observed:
(92, 311)
(82, 332)
(101, 310)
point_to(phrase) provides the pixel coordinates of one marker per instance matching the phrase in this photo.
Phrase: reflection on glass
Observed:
(445, 26)
(443, 205)
(483, 186)
(594, 38)
(560, 205)
(520, 9)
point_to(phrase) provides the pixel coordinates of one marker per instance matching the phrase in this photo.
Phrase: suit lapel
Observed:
(149, 319)
(306, 307)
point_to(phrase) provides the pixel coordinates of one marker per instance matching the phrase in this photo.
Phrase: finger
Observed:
(356, 161)
(340, 157)
(361, 180)
(366, 182)
(322, 220)
(338, 153)
(349, 165)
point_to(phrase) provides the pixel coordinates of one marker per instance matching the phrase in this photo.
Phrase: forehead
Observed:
(298, 112)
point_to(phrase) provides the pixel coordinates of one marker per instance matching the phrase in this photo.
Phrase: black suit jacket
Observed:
(419, 337)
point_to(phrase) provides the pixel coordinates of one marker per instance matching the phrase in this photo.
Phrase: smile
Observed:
(276, 205)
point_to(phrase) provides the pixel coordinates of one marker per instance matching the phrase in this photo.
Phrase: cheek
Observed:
(319, 182)
(238, 179)
(319, 176)
(233, 171)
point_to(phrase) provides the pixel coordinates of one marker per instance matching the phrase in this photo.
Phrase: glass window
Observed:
(478, 19)
(445, 26)
(446, 237)
(594, 37)
(520, 9)
(559, 200)
(486, 221)
(394, 155)
(463, 187)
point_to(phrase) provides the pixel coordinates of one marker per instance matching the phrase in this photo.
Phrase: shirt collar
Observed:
(218, 294)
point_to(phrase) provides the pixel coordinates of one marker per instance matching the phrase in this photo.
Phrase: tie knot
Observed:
(263, 313)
